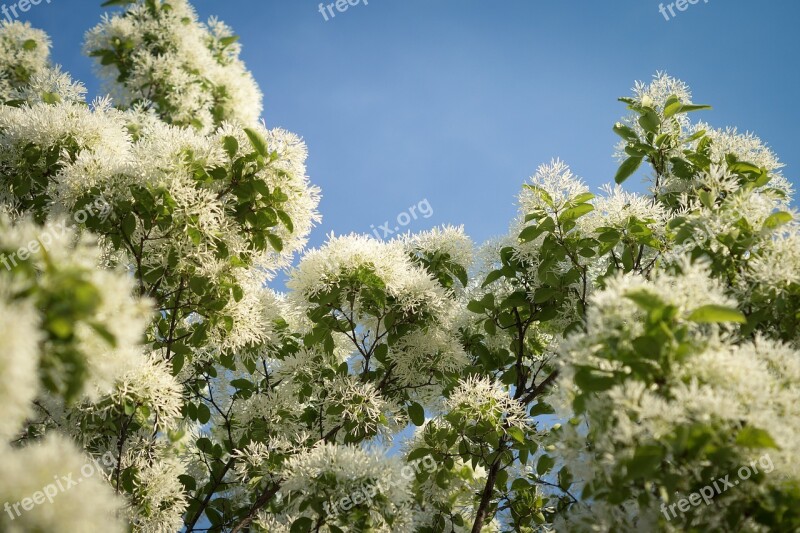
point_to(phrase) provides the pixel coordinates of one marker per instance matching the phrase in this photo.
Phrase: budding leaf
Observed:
(713, 314)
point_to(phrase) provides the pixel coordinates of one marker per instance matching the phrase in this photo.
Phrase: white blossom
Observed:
(479, 399)
(336, 472)
(202, 79)
(53, 464)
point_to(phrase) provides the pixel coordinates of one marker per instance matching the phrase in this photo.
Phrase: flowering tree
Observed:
(609, 356)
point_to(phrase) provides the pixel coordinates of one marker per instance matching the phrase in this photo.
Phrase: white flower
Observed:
(447, 240)
(51, 85)
(358, 404)
(480, 399)
(747, 147)
(687, 289)
(421, 353)
(19, 360)
(338, 472)
(253, 315)
(202, 80)
(158, 500)
(109, 339)
(656, 93)
(81, 500)
(24, 53)
(616, 207)
(324, 268)
(554, 182)
(777, 267)
(150, 383)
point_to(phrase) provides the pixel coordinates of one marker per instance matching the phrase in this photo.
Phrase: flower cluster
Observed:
(24, 54)
(157, 44)
(79, 324)
(330, 473)
(56, 464)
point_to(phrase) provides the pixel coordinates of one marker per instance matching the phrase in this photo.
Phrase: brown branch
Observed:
(216, 482)
(540, 388)
(262, 500)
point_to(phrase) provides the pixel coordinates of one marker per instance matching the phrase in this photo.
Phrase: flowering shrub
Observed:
(609, 355)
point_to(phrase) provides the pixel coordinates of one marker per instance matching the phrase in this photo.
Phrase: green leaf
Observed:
(627, 168)
(203, 413)
(671, 106)
(227, 41)
(591, 380)
(476, 307)
(198, 284)
(418, 453)
(417, 414)
(650, 122)
(541, 193)
(302, 525)
(177, 363)
(517, 434)
(51, 98)
(258, 142)
(242, 384)
(532, 232)
(544, 294)
(752, 437)
(238, 293)
(493, 276)
(515, 299)
(564, 478)
(646, 459)
(231, 146)
(742, 167)
(107, 336)
(625, 132)
(609, 236)
(129, 224)
(646, 300)
(188, 482)
(713, 314)
(688, 108)
(287, 220)
(542, 408)
(29, 45)
(675, 107)
(706, 199)
(276, 242)
(576, 212)
(544, 464)
(582, 198)
(777, 220)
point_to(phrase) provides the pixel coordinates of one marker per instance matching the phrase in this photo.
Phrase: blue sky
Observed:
(458, 101)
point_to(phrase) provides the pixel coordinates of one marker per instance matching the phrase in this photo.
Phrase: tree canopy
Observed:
(598, 368)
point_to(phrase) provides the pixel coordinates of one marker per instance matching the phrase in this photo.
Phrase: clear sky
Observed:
(458, 101)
